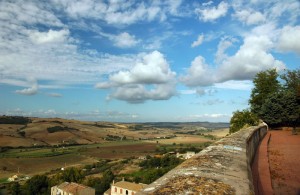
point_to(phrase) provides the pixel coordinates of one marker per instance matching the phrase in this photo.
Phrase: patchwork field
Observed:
(41, 145)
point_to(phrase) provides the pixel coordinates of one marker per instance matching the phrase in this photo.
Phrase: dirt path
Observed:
(284, 158)
(260, 169)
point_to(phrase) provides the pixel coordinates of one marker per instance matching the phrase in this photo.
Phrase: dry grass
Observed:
(189, 139)
(219, 133)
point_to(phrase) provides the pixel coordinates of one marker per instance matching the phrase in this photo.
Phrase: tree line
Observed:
(275, 99)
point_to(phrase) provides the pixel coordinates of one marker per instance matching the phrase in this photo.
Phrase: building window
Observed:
(132, 193)
(115, 189)
(126, 192)
(121, 191)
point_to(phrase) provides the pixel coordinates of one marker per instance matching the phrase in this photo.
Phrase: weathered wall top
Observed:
(222, 168)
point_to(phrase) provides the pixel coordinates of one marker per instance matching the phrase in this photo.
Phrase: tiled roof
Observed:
(130, 186)
(72, 187)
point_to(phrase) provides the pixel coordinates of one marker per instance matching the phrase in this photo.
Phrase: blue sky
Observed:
(138, 61)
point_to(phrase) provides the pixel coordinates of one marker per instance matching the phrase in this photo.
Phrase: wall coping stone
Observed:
(222, 168)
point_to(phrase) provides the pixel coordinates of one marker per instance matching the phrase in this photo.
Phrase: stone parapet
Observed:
(222, 168)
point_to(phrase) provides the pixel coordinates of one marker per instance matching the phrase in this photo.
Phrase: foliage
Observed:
(58, 129)
(281, 109)
(165, 161)
(101, 184)
(72, 175)
(14, 120)
(292, 82)
(38, 184)
(265, 83)
(15, 188)
(241, 119)
(278, 104)
(153, 168)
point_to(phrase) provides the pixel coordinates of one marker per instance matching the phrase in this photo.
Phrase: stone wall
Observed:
(222, 168)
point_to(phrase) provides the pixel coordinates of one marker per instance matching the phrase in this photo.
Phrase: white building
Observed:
(187, 155)
(13, 178)
(124, 188)
(67, 188)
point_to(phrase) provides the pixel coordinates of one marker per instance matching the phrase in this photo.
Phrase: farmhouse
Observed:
(124, 188)
(187, 155)
(13, 178)
(67, 188)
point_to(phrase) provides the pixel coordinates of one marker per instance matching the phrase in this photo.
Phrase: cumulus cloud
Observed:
(198, 74)
(198, 41)
(52, 36)
(223, 45)
(289, 39)
(124, 40)
(32, 90)
(252, 57)
(149, 79)
(28, 91)
(49, 55)
(250, 17)
(213, 13)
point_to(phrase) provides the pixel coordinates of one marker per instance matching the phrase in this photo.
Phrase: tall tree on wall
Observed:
(280, 107)
(292, 85)
(265, 84)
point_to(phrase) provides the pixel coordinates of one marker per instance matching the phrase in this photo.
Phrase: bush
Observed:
(241, 119)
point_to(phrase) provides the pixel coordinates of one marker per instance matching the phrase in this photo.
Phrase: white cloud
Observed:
(223, 45)
(28, 91)
(54, 95)
(250, 17)
(32, 90)
(252, 57)
(153, 69)
(150, 78)
(207, 3)
(119, 12)
(213, 117)
(125, 40)
(198, 41)
(289, 10)
(289, 39)
(213, 13)
(246, 85)
(29, 13)
(51, 56)
(198, 74)
(213, 102)
(51, 36)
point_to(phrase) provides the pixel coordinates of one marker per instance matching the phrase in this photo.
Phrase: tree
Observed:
(106, 180)
(265, 84)
(281, 109)
(278, 104)
(240, 119)
(15, 188)
(292, 81)
(38, 184)
(72, 175)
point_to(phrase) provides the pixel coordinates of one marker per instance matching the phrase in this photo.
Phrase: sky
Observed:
(141, 61)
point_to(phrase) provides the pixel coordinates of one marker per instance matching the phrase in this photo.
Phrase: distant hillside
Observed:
(179, 125)
(18, 131)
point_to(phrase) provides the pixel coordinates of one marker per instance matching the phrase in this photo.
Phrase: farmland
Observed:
(42, 145)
